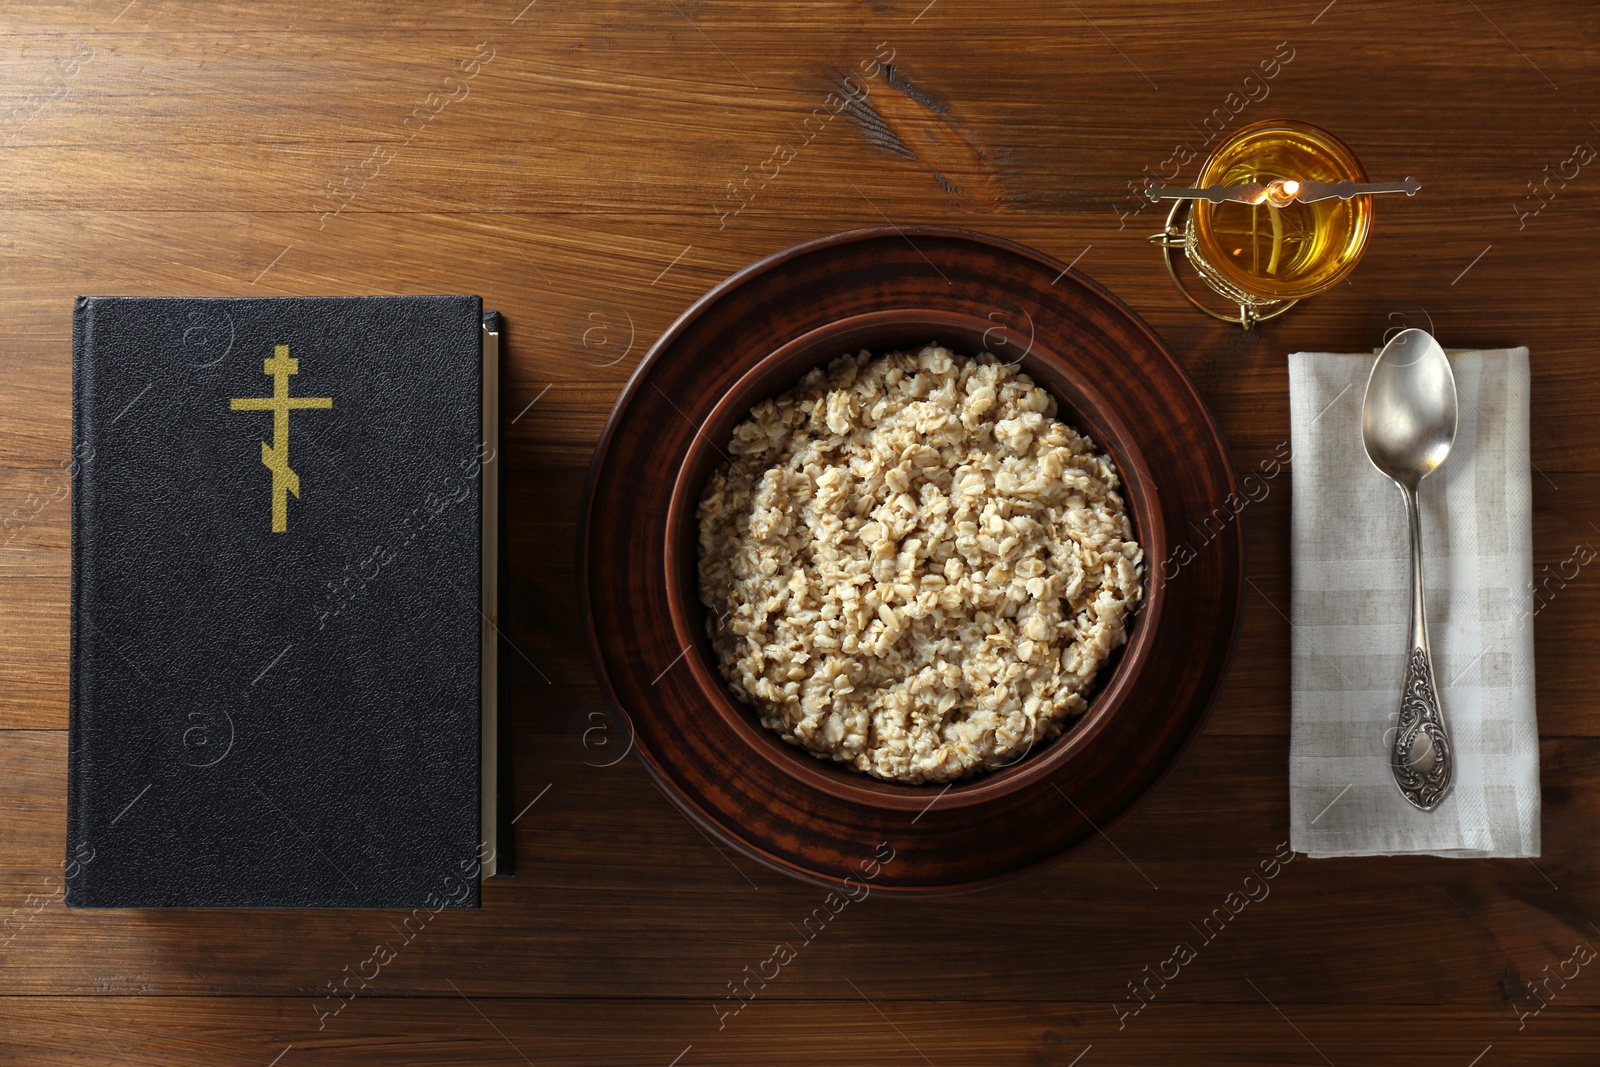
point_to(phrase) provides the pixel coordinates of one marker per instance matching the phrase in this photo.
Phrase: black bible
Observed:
(286, 578)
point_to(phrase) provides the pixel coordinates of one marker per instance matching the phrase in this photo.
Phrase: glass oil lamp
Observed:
(1281, 211)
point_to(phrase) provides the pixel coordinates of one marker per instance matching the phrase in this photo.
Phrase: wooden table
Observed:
(584, 166)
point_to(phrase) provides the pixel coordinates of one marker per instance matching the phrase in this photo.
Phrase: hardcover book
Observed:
(286, 565)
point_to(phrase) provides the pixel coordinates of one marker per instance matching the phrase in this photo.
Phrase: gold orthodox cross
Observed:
(276, 458)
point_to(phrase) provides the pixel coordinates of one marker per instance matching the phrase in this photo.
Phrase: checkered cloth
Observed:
(1351, 617)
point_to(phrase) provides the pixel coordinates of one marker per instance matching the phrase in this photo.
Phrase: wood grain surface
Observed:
(591, 168)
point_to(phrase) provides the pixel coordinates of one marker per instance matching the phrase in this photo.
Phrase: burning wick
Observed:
(1282, 192)
(1278, 194)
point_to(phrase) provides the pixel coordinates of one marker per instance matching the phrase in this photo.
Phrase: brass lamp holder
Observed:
(1252, 309)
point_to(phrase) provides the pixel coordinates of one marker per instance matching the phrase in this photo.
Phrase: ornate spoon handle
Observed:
(1421, 758)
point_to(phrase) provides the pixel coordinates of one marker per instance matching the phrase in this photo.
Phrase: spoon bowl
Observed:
(1408, 421)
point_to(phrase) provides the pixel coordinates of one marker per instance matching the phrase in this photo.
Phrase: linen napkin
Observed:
(1351, 616)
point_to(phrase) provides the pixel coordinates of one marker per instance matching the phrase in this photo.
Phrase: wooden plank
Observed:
(648, 906)
(855, 1029)
(860, 1029)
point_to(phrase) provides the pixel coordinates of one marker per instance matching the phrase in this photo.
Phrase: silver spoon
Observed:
(1408, 423)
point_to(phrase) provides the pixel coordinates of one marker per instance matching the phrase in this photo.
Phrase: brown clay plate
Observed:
(755, 335)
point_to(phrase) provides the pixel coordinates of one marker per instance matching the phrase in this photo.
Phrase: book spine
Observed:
(507, 860)
(78, 695)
